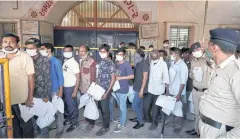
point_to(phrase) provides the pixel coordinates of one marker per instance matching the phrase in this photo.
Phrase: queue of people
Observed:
(213, 71)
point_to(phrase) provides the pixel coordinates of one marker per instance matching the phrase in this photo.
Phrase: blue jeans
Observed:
(122, 104)
(137, 106)
(71, 105)
(111, 108)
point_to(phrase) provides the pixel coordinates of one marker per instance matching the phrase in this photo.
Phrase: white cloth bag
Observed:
(58, 103)
(84, 99)
(91, 110)
(96, 91)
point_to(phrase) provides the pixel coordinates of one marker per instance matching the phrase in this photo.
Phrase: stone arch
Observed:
(58, 9)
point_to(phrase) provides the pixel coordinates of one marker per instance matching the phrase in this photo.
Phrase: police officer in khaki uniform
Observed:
(220, 105)
(199, 73)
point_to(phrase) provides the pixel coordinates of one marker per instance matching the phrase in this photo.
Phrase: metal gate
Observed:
(5, 104)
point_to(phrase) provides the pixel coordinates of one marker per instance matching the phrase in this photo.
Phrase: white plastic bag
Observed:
(58, 103)
(131, 94)
(44, 121)
(84, 99)
(25, 115)
(91, 110)
(96, 91)
(116, 86)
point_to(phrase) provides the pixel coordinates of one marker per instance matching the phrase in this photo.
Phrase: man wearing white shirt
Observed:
(158, 81)
(71, 74)
(178, 74)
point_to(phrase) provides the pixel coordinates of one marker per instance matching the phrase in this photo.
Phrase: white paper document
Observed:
(96, 91)
(166, 102)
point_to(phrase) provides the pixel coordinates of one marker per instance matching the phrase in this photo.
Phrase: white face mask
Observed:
(120, 46)
(9, 52)
(173, 58)
(161, 58)
(31, 52)
(43, 52)
(151, 49)
(165, 45)
(103, 55)
(67, 54)
(197, 54)
(155, 61)
(119, 58)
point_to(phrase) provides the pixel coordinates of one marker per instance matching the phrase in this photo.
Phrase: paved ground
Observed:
(128, 131)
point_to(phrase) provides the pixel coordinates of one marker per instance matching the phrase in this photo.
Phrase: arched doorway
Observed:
(93, 23)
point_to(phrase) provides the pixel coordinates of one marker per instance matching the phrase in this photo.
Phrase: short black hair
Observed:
(49, 46)
(142, 47)
(69, 46)
(141, 53)
(85, 46)
(166, 41)
(133, 45)
(122, 50)
(151, 46)
(11, 35)
(122, 43)
(163, 51)
(176, 50)
(34, 41)
(185, 50)
(105, 47)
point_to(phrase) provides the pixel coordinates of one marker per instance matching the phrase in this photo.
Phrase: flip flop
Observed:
(89, 128)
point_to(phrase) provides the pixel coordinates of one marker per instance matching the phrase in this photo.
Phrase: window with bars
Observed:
(10, 28)
(179, 37)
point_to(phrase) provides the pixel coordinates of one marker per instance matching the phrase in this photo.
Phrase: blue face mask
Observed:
(209, 54)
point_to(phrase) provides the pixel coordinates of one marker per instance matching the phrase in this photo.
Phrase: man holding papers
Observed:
(123, 75)
(42, 88)
(200, 73)
(178, 73)
(56, 75)
(87, 76)
(22, 76)
(106, 79)
(158, 81)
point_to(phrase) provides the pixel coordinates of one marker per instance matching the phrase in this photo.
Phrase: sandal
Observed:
(102, 131)
(89, 128)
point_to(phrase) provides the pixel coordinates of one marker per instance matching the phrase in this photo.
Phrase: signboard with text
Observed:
(150, 30)
(30, 27)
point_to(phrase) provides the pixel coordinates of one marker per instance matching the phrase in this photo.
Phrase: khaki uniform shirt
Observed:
(221, 102)
(200, 63)
(20, 67)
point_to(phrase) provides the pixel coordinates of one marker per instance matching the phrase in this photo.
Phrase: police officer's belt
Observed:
(213, 123)
(200, 90)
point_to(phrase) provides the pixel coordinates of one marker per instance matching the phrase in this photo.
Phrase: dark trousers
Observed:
(90, 121)
(149, 104)
(104, 107)
(71, 105)
(21, 129)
